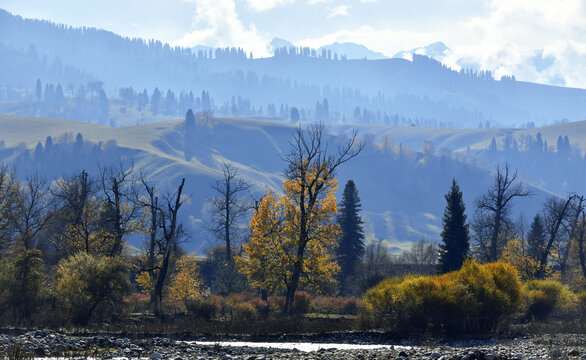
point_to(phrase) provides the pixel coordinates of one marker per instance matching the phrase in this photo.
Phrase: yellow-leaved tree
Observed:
(517, 253)
(293, 237)
(260, 262)
(185, 285)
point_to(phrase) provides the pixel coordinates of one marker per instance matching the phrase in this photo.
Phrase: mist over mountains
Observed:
(424, 123)
(422, 91)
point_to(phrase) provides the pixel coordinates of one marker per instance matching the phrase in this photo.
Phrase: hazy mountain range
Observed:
(401, 188)
(453, 121)
(421, 89)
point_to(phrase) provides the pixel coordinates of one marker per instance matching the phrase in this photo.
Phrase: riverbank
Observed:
(45, 344)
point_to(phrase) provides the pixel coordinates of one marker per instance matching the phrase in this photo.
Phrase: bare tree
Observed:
(32, 212)
(580, 238)
(151, 204)
(557, 212)
(493, 210)
(310, 166)
(120, 198)
(571, 228)
(376, 263)
(166, 232)
(422, 253)
(73, 194)
(77, 221)
(172, 230)
(229, 207)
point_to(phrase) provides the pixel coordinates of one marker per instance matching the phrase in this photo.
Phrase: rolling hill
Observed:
(401, 189)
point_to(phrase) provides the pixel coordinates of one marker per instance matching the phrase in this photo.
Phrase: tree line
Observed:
(64, 243)
(551, 246)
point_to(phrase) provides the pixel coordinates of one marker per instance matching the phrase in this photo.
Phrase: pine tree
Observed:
(351, 243)
(38, 90)
(536, 238)
(189, 119)
(455, 237)
(294, 114)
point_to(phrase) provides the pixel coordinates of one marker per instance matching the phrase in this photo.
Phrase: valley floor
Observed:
(49, 344)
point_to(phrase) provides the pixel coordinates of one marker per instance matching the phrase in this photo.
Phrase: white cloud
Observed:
(263, 5)
(510, 35)
(217, 24)
(340, 10)
(385, 41)
(503, 36)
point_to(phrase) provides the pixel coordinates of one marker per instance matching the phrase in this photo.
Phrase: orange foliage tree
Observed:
(293, 237)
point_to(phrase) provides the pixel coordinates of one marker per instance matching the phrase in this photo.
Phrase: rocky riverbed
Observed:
(49, 344)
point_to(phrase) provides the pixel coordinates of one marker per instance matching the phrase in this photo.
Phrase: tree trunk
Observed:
(495, 235)
(227, 228)
(581, 253)
(158, 291)
(292, 287)
(558, 222)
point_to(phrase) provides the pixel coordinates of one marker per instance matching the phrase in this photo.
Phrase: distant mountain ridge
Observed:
(423, 91)
(353, 51)
(437, 51)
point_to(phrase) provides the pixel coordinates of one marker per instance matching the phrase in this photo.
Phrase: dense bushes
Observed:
(246, 306)
(204, 308)
(86, 282)
(581, 300)
(336, 305)
(476, 297)
(544, 296)
(22, 282)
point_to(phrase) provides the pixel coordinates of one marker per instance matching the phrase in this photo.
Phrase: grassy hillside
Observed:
(401, 189)
(476, 139)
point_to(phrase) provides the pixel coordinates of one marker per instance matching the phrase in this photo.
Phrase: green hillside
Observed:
(401, 190)
(476, 139)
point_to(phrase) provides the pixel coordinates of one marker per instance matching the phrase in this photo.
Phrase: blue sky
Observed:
(508, 37)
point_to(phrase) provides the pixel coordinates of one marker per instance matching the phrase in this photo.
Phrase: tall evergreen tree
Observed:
(38, 90)
(455, 236)
(351, 244)
(536, 238)
(189, 119)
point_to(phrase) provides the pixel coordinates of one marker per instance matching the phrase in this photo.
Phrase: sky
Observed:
(540, 41)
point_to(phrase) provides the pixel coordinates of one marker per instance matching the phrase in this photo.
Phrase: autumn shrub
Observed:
(276, 303)
(244, 311)
(301, 302)
(336, 305)
(543, 297)
(581, 302)
(476, 297)
(86, 282)
(495, 288)
(322, 305)
(205, 308)
(237, 298)
(137, 302)
(350, 306)
(261, 306)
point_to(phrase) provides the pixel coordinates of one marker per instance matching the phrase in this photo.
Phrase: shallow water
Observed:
(301, 346)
